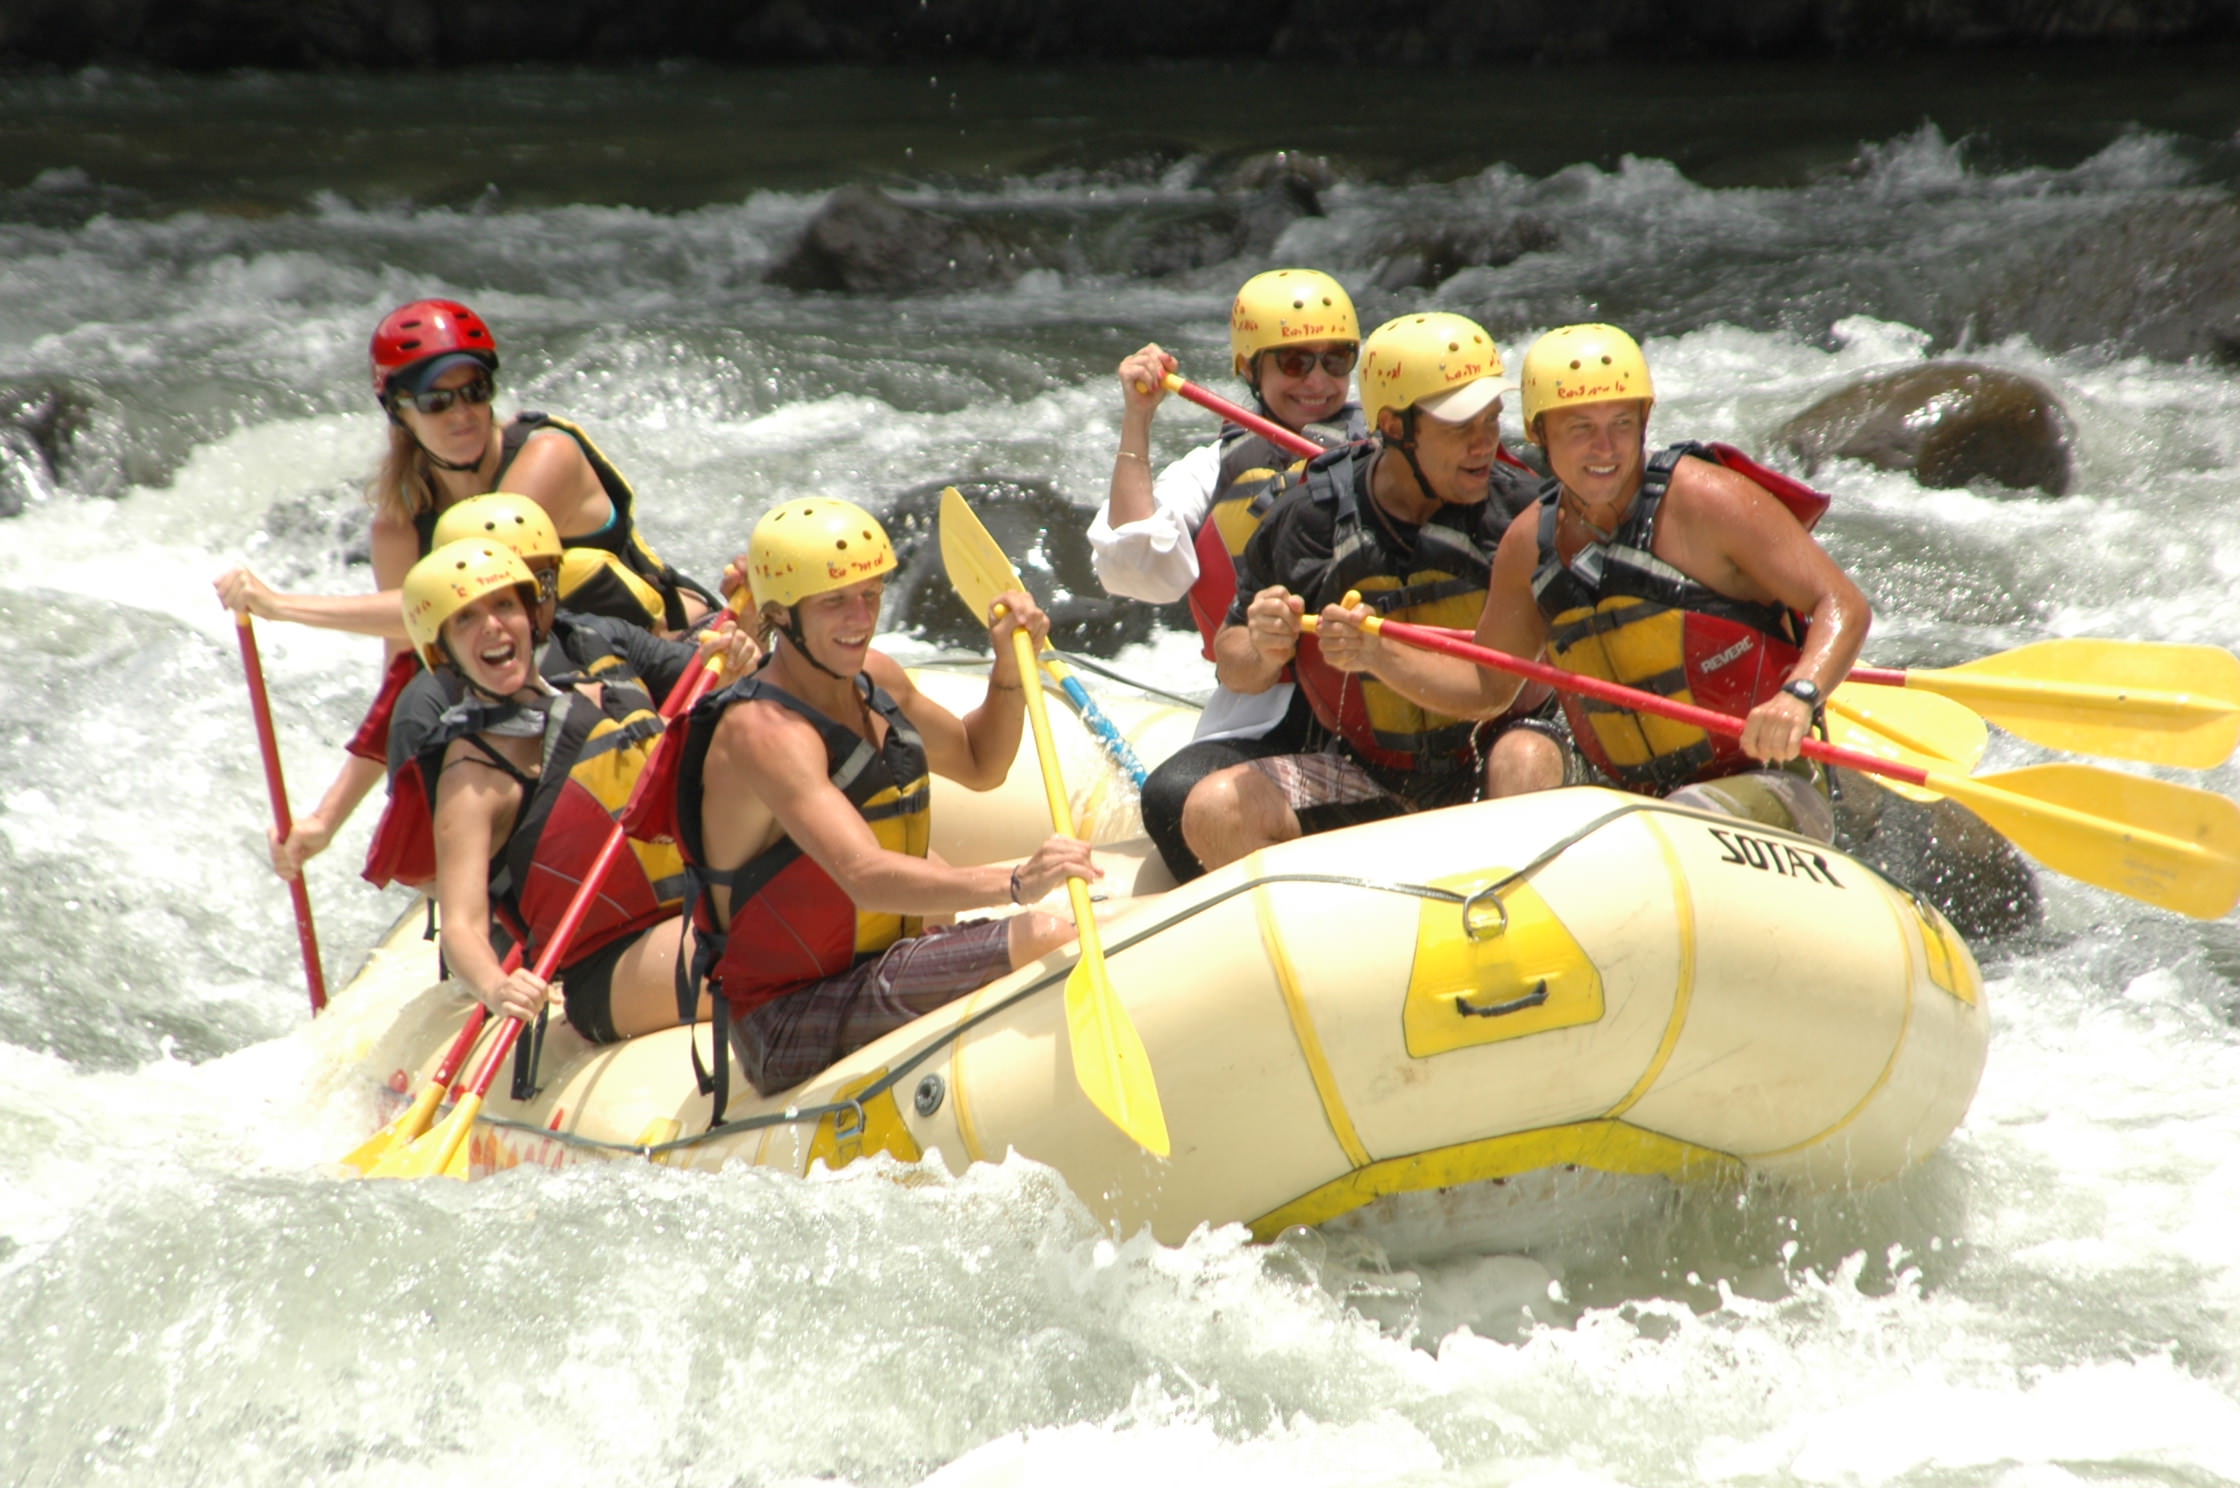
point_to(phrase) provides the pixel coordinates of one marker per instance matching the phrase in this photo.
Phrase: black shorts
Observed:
(587, 988)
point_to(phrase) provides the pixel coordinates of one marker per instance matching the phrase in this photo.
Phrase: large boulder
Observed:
(1950, 424)
(864, 241)
(1047, 540)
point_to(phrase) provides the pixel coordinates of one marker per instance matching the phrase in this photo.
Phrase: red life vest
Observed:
(592, 756)
(1620, 613)
(790, 924)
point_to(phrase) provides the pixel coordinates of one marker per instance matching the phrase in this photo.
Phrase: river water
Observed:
(2053, 1298)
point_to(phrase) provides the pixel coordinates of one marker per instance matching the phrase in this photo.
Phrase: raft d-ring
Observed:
(842, 1131)
(1470, 921)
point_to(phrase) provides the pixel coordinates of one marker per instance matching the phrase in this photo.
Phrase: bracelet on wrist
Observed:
(1129, 454)
(1015, 899)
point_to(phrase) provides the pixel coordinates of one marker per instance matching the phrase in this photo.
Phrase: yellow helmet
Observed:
(1575, 365)
(1444, 364)
(453, 577)
(813, 546)
(1287, 305)
(514, 520)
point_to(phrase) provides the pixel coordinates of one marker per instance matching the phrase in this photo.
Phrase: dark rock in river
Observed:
(2165, 284)
(1942, 851)
(1047, 538)
(40, 420)
(1952, 424)
(863, 241)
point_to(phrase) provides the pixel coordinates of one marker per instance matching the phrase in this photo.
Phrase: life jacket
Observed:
(1443, 583)
(403, 849)
(591, 756)
(790, 924)
(1254, 472)
(1620, 613)
(609, 572)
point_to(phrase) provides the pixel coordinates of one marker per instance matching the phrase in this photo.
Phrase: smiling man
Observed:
(1689, 573)
(1411, 521)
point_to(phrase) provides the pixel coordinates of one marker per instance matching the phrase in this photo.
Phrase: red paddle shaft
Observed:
(260, 704)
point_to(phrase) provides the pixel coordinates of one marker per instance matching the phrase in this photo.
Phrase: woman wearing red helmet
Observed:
(435, 365)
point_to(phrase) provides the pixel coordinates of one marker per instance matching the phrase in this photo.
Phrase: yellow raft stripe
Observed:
(1606, 1146)
(1914, 972)
(968, 1130)
(1684, 988)
(1302, 1027)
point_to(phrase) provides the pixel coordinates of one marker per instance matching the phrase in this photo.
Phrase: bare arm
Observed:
(474, 806)
(1142, 389)
(1728, 531)
(778, 762)
(976, 750)
(396, 547)
(1250, 656)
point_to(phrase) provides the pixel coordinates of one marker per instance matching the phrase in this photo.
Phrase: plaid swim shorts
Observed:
(790, 1038)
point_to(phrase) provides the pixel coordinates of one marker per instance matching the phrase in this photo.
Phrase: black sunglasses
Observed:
(439, 400)
(1297, 361)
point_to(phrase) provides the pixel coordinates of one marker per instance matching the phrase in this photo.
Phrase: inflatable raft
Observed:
(1576, 981)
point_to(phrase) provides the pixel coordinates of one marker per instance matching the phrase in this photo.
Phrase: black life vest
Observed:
(1442, 582)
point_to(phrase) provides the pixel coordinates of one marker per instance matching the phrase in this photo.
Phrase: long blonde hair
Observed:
(403, 485)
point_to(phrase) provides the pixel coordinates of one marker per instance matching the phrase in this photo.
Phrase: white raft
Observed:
(1579, 980)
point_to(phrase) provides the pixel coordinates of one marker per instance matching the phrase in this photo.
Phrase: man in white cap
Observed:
(1410, 522)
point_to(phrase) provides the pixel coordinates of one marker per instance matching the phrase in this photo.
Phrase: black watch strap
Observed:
(1805, 691)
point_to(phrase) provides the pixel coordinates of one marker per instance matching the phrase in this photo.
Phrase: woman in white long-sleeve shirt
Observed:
(1293, 338)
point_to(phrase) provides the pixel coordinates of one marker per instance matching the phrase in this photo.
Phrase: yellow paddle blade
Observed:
(410, 1123)
(2163, 844)
(1109, 1060)
(2144, 700)
(979, 570)
(1919, 729)
(439, 1154)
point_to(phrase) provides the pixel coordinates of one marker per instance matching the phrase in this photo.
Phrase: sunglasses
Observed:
(1297, 361)
(439, 400)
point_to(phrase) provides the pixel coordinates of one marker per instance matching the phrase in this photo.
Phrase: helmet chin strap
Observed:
(791, 630)
(1407, 448)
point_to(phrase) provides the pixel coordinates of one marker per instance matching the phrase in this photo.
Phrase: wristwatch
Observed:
(1805, 691)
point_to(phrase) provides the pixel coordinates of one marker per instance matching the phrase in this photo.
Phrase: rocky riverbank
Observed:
(221, 34)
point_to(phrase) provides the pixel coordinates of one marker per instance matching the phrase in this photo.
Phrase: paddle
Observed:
(1109, 1060)
(2144, 700)
(415, 1118)
(979, 584)
(1268, 429)
(260, 704)
(443, 1151)
(2162, 844)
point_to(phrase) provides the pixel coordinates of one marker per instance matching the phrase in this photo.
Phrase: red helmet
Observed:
(412, 334)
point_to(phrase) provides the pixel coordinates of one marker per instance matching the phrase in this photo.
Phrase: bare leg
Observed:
(1234, 813)
(1523, 760)
(1035, 934)
(644, 996)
